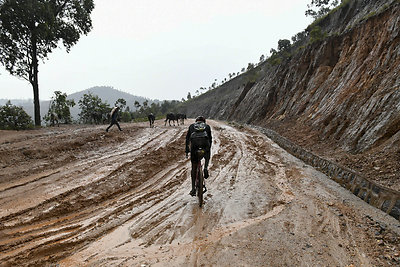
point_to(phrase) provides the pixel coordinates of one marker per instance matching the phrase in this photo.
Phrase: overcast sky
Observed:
(163, 49)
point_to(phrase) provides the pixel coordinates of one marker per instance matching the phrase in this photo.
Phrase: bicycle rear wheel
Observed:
(200, 182)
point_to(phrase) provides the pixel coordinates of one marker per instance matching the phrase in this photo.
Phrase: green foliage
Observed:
(299, 37)
(159, 110)
(342, 4)
(283, 45)
(300, 48)
(30, 30)
(121, 103)
(319, 8)
(59, 109)
(316, 34)
(14, 118)
(252, 75)
(250, 66)
(320, 18)
(283, 52)
(126, 116)
(137, 104)
(43, 24)
(374, 13)
(93, 110)
(275, 60)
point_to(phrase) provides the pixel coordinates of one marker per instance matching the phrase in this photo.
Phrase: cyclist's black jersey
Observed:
(205, 142)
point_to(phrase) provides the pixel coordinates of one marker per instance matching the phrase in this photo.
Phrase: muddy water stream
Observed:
(121, 199)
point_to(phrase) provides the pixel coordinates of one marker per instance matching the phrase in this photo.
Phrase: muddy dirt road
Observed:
(78, 196)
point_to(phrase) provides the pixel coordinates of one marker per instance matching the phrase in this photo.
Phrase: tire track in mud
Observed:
(98, 164)
(267, 189)
(261, 202)
(33, 153)
(247, 168)
(161, 226)
(83, 212)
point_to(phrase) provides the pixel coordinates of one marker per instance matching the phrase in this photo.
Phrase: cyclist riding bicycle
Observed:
(198, 136)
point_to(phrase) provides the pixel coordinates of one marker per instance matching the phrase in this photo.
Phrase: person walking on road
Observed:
(114, 116)
(151, 118)
(198, 136)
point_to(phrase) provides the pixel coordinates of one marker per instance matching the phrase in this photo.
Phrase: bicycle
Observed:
(199, 181)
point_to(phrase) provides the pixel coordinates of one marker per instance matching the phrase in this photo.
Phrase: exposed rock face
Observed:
(340, 93)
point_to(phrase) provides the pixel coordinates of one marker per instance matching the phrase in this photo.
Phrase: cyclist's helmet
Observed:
(201, 118)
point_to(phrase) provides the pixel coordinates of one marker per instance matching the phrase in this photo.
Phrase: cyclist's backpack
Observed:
(199, 131)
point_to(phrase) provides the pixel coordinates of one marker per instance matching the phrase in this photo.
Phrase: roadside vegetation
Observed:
(59, 111)
(14, 118)
(93, 109)
(31, 30)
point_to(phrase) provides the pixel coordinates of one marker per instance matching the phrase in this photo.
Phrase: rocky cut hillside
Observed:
(337, 96)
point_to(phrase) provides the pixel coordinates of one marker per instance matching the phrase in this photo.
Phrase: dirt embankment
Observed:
(338, 97)
(74, 196)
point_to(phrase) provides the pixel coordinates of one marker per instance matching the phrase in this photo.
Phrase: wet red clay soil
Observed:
(78, 196)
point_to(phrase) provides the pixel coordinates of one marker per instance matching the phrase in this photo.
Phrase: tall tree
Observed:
(137, 105)
(31, 29)
(299, 37)
(319, 8)
(121, 103)
(283, 45)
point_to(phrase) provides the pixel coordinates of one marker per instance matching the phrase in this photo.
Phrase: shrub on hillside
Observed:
(14, 118)
(316, 34)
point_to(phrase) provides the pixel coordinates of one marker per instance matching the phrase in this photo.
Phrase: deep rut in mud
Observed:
(83, 197)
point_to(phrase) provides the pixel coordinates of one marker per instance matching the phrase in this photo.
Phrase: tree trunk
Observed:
(34, 81)
(36, 102)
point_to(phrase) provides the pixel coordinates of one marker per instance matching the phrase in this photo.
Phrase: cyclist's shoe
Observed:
(205, 174)
(193, 192)
(204, 189)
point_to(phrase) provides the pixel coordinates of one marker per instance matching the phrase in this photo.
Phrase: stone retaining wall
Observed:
(383, 198)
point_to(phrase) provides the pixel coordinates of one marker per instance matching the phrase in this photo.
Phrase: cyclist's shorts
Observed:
(201, 143)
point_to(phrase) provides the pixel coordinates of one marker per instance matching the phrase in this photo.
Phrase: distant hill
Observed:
(106, 93)
(110, 95)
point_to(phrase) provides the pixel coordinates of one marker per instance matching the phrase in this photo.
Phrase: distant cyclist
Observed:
(198, 136)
